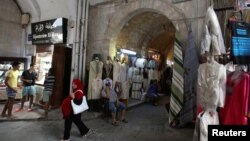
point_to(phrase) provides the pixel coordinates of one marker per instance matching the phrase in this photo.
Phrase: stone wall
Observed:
(11, 39)
(106, 21)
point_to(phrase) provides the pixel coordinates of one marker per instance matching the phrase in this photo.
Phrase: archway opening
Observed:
(152, 36)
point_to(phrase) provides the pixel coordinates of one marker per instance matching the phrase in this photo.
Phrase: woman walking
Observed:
(68, 114)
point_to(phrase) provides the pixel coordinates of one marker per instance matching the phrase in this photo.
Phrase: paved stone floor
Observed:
(146, 123)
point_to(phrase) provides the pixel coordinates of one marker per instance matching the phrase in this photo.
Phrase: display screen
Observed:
(241, 42)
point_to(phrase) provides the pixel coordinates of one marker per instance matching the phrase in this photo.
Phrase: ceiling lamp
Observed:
(125, 51)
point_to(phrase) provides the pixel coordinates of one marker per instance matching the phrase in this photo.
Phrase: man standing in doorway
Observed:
(28, 77)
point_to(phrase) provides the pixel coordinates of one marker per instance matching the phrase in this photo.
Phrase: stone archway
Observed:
(120, 18)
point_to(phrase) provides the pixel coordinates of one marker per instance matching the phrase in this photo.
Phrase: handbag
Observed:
(80, 108)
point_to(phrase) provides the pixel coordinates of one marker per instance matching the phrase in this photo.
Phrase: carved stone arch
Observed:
(121, 17)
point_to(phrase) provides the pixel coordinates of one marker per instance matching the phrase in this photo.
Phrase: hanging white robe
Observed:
(116, 72)
(95, 71)
(203, 120)
(123, 72)
(96, 89)
(125, 90)
(211, 85)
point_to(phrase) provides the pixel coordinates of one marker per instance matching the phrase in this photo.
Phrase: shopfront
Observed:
(49, 38)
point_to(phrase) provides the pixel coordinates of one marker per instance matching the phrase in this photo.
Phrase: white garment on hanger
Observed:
(95, 71)
(116, 72)
(96, 88)
(207, 118)
(211, 85)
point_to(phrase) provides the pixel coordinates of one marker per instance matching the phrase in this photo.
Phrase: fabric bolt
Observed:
(191, 64)
(176, 98)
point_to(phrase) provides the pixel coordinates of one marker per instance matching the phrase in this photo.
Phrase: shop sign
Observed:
(177, 1)
(49, 32)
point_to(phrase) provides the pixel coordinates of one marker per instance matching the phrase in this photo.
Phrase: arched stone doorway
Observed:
(121, 18)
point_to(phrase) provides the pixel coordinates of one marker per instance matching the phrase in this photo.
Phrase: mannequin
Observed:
(116, 71)
(107, 69)
(124, 82)
(123, 71)
(95, 74)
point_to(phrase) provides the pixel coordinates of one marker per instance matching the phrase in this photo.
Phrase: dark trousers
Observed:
(78, 122)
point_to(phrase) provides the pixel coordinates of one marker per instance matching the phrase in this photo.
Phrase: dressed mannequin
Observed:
(95, 82)
(116, 71)
(124, 82)
(108, 69)
(123, 72)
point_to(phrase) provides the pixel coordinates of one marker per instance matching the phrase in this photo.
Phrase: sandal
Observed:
(29, 110)
(115, 123)
(19, 110)
(124, 121)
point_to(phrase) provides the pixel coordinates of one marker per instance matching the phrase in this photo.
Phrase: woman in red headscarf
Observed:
(77, 95)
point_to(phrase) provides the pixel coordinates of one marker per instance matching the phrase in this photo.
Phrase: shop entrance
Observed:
(152, 36)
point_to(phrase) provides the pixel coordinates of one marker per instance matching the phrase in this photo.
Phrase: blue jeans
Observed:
(113, 106)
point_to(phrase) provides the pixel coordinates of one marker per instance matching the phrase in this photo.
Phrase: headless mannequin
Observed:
(108, 69)
(95, 83)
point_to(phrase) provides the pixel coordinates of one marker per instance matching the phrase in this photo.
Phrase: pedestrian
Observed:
(77, 95)
(11, 82)
(48, 90)
(28, 77)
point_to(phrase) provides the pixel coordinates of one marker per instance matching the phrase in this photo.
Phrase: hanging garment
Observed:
(191, 64)
(123, 73)
(95, 71)
(177, 88)
(125, 90)
(116, 72)
(203, 120)
(107, 70)
(211, 85)
(212, 22)
(237, 99)
(96, 89)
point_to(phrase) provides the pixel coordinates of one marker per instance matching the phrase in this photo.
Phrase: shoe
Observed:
(4, 115)
(19, 110)
(43, 118)
(89, 133)
(11, 117)
(124, 121)
(65, 140)
(115, 123)
(29, 110)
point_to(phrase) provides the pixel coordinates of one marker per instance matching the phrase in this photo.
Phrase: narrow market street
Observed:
(146, 123)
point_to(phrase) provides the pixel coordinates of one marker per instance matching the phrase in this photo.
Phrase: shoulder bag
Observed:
(80, 108)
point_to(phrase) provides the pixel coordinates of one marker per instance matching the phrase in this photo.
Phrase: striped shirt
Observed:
(49, 83)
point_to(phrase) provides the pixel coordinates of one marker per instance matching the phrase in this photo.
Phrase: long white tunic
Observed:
(116, 72)
(95, 71)
(211, 85)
